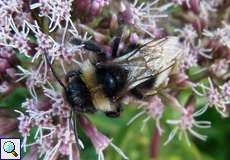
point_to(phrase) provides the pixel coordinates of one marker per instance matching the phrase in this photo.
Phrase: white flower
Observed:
(55, 10)
(144, 16)
(59, 105)
(154, 109)
(188, 33)
(45, 43)
(65, 54)
(25, 125)
(189, 58)
(212, 96)
(186, 124)
(221, 34)
(225, 90)
(220, 68)
(10, 7)
(33, 79)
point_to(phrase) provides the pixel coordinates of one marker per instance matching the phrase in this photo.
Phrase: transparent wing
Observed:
(155, 58)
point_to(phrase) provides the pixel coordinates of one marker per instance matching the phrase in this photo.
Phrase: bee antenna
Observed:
(54, 73)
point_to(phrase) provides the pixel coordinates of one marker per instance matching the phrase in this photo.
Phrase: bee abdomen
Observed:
(79, 97)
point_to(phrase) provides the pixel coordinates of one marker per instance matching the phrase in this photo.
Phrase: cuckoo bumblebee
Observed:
(138, 70)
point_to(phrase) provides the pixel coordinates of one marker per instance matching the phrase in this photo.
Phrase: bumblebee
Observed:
(139, 70)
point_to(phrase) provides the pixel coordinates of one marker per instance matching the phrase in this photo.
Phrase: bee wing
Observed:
(155, 58)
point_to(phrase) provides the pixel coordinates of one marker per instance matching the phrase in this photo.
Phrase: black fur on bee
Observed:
(101, 85)
(111, 79)
(133, 71)
(78, 94)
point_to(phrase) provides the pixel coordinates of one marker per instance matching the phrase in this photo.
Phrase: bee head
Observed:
(112, 78)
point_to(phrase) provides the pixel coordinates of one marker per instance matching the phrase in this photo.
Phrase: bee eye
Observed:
(106, 79)
(111, 78)
(109, 83)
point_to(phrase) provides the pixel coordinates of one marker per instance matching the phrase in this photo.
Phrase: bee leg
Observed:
(112, 114)
(129, 49)
(115, 114)
(139, 91)
(90, 46)
(116, 41)
(136, 93)
(87, 109)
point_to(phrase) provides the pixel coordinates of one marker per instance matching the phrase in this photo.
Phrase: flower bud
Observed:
(89, 8)
(6, 53)
(11, 72)
(4, 64)
(219, 68)
(44, 104)
(199, 25)
(7, 125)
(133, 38)
(99, 140)
(159, 33)
(155, 107)
(193, 5)
(95, 8)
(180, 79)
(127, 16)
(4, 87)
(218, 49)
(155, 142)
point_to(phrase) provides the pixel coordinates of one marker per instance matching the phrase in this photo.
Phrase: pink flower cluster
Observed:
(31, 29)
